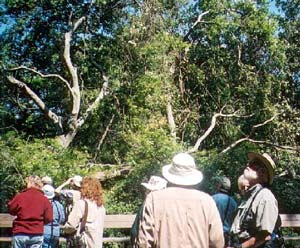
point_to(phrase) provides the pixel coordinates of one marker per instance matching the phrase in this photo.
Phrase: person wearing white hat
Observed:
(257, 216)
(72, 195)
(154, 183)
(180, 215)
(52, 230)
(47, 180)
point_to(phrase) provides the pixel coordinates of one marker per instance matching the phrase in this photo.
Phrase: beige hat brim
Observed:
(267, 161)
(194, 178)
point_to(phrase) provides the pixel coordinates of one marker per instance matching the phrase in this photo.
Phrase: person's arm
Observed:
(74, 218)
(60, 187)
(255, 241)
(146, 232)
(13, 206)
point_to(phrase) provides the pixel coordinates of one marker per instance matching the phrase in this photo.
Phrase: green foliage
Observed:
(21, 158)
(150, 150)
(239, 59)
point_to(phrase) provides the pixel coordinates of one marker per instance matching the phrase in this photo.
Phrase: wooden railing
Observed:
(122, 221)
(118, 221)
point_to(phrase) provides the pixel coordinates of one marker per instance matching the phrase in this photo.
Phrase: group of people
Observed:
(41, 217)
(175, 213)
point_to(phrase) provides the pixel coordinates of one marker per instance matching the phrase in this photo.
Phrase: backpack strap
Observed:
(84, 217)
(250, 206)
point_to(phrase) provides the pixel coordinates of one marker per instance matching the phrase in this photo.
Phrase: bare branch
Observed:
(42, 75)
(195, 24)
(248, 139)
(105, 133)
(95, 104)
(78, 23)
(55, 118)
(75, 89)
(265, 122)
(211, 127)
(261, 142)
(171, 120)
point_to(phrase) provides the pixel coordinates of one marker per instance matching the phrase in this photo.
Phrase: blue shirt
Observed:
(227, 207)
(58, 219)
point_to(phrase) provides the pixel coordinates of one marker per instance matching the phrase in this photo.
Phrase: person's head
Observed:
(49, 191)
(155, 183)
(243, 184)
(76, 182)
(91, 189)
(182, 171)
(224, 184)
(47, 180)
(260, 169)
(34, 181)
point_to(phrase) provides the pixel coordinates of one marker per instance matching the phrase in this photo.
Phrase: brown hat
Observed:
(267, 161)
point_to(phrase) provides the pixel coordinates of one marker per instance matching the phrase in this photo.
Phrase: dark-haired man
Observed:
(226, 205)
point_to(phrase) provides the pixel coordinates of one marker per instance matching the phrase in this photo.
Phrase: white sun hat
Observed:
(182, 170)
(155, 183)
(48, 191)
(47, 180)
(77, 180)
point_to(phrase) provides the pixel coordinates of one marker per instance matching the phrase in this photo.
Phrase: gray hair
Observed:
(35, 181)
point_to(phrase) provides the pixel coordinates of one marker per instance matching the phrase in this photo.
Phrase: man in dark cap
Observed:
(226, 205)
(257, 216)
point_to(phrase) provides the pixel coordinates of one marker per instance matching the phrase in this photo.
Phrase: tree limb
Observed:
(248, 139)
(265, 122)
(95, 104)
(55, 118)
(42, 75)
(262, 142)
(75, 90)
(105, 133)
(211, 127)
(195, 24)
(171, 120)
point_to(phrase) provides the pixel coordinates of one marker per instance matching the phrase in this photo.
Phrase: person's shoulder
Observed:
(266, 194)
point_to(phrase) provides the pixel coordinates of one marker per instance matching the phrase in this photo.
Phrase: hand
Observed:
(70, 180)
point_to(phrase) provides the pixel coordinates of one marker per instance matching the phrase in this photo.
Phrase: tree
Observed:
(36, 43)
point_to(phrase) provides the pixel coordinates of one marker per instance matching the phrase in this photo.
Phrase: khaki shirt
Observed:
(180, 218)
(262, 215)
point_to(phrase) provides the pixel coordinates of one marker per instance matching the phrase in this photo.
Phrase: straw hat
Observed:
(182, 170)
(266, 160)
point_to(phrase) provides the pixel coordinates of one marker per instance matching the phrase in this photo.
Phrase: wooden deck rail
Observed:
(124, 221)
(116, 221)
